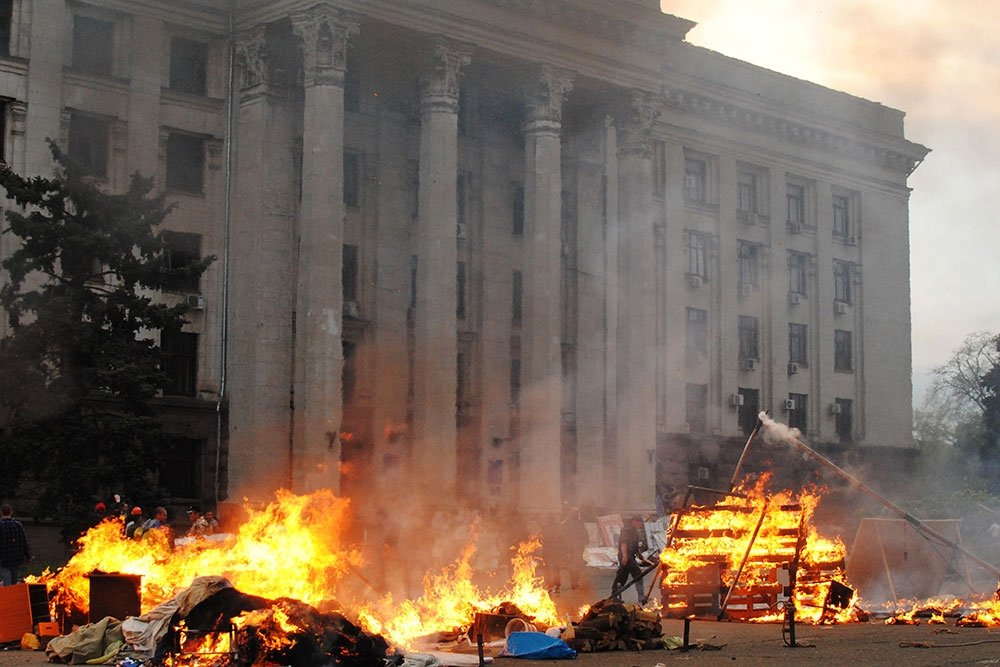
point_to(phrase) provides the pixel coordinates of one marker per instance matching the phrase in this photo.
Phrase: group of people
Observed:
(136, 523)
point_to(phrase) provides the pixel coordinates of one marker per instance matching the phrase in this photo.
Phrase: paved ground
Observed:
(751, 644)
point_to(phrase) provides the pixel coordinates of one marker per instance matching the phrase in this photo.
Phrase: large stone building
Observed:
(512, 252)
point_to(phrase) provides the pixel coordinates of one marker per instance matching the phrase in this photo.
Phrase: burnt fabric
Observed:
(92, 642)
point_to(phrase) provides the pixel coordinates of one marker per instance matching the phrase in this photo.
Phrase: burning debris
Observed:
(610, 625)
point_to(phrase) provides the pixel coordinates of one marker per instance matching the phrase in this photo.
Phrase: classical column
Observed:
(261, 286)
(436, 323)
(636, 358)
(541, 397)
(319, 357)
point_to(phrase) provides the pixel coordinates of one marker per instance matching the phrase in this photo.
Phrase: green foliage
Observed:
(81, 362)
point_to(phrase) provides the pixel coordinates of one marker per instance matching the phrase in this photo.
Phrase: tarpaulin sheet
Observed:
(537, 646)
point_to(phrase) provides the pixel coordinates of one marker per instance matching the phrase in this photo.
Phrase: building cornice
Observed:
(204, 15)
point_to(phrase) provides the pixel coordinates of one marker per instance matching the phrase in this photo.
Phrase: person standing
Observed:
(14, 549)
(631, 544)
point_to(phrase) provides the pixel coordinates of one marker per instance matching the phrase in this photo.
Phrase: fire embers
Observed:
(232, 629)
(610, 625)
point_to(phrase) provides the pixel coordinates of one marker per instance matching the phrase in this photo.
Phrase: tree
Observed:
(81, 365)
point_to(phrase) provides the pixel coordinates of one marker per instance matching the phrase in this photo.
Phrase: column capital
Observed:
(324, 32)
(545, 97)
(439, 79)
(253, 57)
(636, 118)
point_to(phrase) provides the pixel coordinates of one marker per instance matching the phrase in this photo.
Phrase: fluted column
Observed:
(262, 248)
(636, 358)
(436, 323)
(319, 357)
(540, 455)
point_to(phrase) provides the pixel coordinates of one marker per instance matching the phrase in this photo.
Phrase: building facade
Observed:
(498, 253)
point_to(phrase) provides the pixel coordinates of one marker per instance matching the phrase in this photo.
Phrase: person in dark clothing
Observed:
(631, 544)
(14, 549)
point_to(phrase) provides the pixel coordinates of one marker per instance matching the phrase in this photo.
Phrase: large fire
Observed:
(295, 548)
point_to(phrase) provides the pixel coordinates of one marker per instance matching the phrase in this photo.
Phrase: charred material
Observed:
(610, 625)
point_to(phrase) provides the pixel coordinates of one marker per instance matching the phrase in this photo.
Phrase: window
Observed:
(188, 66)
(797, 344)
(180, 362)
(352, 179)
(460, 291)
(463, 208)
(185, 163)
(697, 254)
(746, 192)
(845, 419)
(843, 353)
(88, 143)
(749, 337)
(411, 308)
(515, 382)
(747, 257)
(695, 180)
(183, 251)
(93, 45)
(842, 272)
(797, 415)
(795, 196)
(695, 407)
(659, 169)
(349, 371)
(749, 410)
(517, 210)
(517, 296)
(349, 274)
(3, 131)
(696, 341)
(6, 19)
(798, 273)
(413, 175)
(841, 217)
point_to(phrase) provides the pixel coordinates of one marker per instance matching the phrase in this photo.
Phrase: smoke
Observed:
(775, 432)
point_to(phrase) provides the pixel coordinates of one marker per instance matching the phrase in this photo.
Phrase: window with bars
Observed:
(696, 340)
(697, 254)
(843, 351)
(797, 344)
(749, 333)
(798, 273)
(747, 256)
(842, 273)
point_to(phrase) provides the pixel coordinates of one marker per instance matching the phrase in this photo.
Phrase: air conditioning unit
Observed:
(851, 240)
(746, 289)
(789, 404)
(793, 368)
(795, 227)
(794, 298)
(750, 364)
(835, 408)
(736, 400)
(703, 473)
(840, 307)
(695, 280)
(463, 231)
(194, 301)
(352, 309)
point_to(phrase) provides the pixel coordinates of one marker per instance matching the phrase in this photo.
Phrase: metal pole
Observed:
(827, 463)
(746, 556)
(746, 447)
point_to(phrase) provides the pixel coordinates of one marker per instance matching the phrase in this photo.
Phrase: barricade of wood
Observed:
(610, 625)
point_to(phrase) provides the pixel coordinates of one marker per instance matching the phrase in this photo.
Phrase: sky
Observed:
(936, 60)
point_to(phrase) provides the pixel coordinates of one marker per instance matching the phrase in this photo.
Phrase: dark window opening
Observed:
(352, 180)
(748, 410)
(180, 362)
(88, 144)
(695, 407)
(749, 331)
(349, 273)
(93, 45)
(797, 344)
(6, 23)
(696, 334)
(747, 255)
(517, 210)
(798, 273)
(185, 163)
(517, 298)
(844, 408)
(183, 251)
(188, 66)
(843, 353)
(180, 468)
(349, 374)
(798, 410)
(4, 108)
(796, 200)
(697, 254)
(841, 217)
(842, 281)
(460, 291)
(413, 173)
(352, 90)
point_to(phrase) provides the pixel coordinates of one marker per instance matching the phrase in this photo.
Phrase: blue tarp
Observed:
(537, 646)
